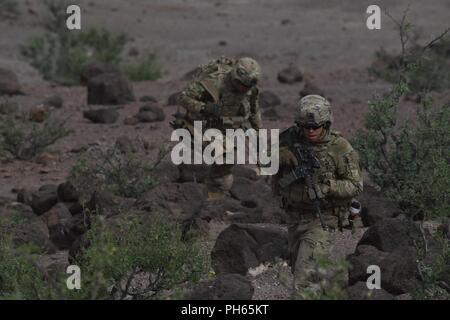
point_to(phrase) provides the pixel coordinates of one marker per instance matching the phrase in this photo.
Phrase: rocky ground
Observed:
(327, 42)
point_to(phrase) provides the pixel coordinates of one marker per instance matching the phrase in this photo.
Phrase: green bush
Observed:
(436, 275)
(328, 281)
(144, 70)
(432, 71)
(25, 139)
(409, 162)
(130, 259)
(137, 260)
(20, 276)
(60, 54)
(431, 68)
(122, 173)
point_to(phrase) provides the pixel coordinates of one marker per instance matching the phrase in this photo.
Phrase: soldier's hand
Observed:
(287, 158)
(211, 108)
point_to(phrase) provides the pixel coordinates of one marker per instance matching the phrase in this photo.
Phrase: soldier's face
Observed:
(314, 134)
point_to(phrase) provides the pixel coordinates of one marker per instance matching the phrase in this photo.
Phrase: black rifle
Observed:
(307, 165)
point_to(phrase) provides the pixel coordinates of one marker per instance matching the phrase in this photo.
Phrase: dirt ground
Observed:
(328, 40)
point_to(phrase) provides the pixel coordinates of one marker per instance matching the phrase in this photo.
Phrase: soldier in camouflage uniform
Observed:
(337, 180)
(223, 96)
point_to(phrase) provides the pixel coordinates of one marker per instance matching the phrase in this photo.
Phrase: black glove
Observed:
(211, 109)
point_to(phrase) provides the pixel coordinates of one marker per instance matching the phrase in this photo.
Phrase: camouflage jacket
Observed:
(238, 110)
(339, 169)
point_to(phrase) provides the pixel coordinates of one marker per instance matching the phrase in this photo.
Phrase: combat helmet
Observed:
(247, 71)
(313, 110)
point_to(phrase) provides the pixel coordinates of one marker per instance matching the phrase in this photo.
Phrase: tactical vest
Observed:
(328, 153)
(236, 107)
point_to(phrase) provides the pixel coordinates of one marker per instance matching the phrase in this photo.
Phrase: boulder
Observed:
(359, 291)
(392, 233)
(54, 101)
(25, 227)
(57, 219)
(245, 172)
(148, 99)
(67, 192)
(268, 99)
(9, 85)
(166, 172)
(311, 88)
(44, 199)
(193, 172)
(109, 89)
(91, 70)
(290, 75)
(229, 286)
(375, 207)
(241, 186)
(179, 201)
(150, 113)
(244, 246)
(107, 116)
(174, 99)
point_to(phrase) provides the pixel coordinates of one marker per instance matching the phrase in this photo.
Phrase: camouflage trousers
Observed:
(308, 242)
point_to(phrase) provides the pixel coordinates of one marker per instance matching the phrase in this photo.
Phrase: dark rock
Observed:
(131, 121)
(310, 88)
(57, 219)
(109, 89)
(74, 207)
(268, 99)
(166, 172)
(359, 261)
(290, 75)
(399, 271)
(150, 113)
(9, 85)
(392, 233)
(245, 172)
(178, 201)
(359, 291)
(77, 226)
(67, 192)
(174, 99)
(231, 210)
(94, 69)
(241, 187)
(43, 200)
(224, 287)
(375, 207)
(193, 172)
(54, 101)
(25, 227)
(50, 188)
(244, 246)
(107, 116)
(148, 99)
(24, 196)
